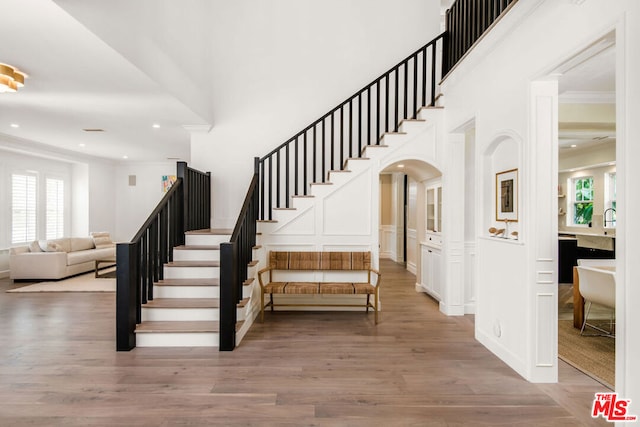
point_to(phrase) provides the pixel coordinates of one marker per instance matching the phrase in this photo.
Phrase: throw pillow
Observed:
(54, 247)
(102, 240)
(34, 246)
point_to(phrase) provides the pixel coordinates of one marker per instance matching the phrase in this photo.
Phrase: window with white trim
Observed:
(23, 208)
(609, 217)
(55, 208)
(582, 200)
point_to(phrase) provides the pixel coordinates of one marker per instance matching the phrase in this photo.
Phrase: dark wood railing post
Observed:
(182, 174)
(126, 295)
(228, 295)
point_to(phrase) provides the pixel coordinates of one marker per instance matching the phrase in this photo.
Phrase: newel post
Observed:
(228, 295)
(126, 295)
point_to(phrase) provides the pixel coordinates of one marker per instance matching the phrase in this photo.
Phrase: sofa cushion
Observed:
(78, 257)
(81, 243)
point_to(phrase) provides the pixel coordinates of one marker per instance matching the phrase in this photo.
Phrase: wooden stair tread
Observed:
(193, 264)
(284, 209)
(412, 120)
(183, 303)
(321, 183)
(254, 263)
(243, 302)
(197, 247)
(248, 281)
(178, 326)
(303, 196)
(267, 221)
(214, 231)
(188, 282)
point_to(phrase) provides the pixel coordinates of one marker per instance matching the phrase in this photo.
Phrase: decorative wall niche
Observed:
(502, 188)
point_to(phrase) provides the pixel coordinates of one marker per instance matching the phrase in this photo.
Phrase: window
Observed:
(55, 208)
(23, 208)
(582, 200)
(609, 216)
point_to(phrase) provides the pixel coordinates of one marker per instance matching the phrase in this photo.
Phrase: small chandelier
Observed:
(10, 78)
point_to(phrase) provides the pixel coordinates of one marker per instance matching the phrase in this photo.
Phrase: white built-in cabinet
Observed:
(431, 280)
(434, 209)
(431, 246)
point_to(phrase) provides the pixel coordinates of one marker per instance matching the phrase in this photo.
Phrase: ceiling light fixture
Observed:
(14, 125)
(10, 78)
(155, 126)
(573, 145)
(401, 166)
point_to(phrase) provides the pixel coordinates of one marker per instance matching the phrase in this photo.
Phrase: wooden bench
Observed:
(319, 262)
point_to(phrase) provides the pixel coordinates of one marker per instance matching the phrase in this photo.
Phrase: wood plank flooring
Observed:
(59, 367)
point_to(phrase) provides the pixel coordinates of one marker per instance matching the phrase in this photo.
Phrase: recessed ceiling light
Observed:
(125, 157)
(155, 126)
(81, 145)
(400, 166)
(573, 145)
(15, 125)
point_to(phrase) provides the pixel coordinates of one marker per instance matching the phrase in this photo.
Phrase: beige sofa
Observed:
(59, 258)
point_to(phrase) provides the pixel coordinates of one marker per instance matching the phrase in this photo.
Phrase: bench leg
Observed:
(271, 301)
(375, 305)
(368, 295)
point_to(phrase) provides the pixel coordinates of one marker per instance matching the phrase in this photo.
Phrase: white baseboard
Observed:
(4, 274)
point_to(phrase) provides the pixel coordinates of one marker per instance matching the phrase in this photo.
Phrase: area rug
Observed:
(83, 283)
(595, 356)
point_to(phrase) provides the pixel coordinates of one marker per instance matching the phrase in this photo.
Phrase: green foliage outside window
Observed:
(583, 202)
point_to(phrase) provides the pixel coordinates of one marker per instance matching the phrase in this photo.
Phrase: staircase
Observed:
(418, 136)
(185, 311)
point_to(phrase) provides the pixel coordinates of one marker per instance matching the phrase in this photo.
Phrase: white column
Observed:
(453, 208)
(540, 183)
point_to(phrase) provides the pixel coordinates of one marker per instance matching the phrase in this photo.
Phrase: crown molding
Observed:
(587, 97)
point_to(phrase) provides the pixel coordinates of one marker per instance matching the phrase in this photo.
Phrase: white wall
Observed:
(306, 76)
(133, 203)
(493, 86)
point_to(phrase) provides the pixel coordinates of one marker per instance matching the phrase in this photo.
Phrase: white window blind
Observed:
(55, 208)
(23, 208)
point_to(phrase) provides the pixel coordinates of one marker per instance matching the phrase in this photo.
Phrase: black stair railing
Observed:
(235, 257)
(346, 130)
(139, 263)
(466, 22)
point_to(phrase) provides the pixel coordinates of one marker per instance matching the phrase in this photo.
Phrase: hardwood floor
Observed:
(59, 367)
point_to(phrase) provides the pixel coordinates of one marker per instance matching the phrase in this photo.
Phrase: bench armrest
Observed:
(261, 272)
(377, 273)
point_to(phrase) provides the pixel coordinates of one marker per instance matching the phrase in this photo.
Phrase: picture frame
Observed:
(507, 195)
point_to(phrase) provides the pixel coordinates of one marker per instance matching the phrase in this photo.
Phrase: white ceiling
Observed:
(75, 82)
(124, 65)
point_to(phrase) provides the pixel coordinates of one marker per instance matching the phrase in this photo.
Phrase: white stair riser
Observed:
(247, 291)
(357, 165)
(339, 178)
(205, 239)
(191, 272)
(178, 339)
(179, 314)
(411, 126)
(196, 255)
(186, 291)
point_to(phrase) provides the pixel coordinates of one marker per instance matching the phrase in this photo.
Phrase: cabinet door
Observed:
(436, 258)
(431, 209)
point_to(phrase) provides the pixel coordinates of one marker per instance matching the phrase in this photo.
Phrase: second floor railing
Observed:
(466, 22)
(343, 132)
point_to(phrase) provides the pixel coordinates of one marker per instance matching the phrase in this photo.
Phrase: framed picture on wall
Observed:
(507, 195)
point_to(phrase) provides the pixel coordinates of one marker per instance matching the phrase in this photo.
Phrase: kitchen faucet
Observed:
(604, 217)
